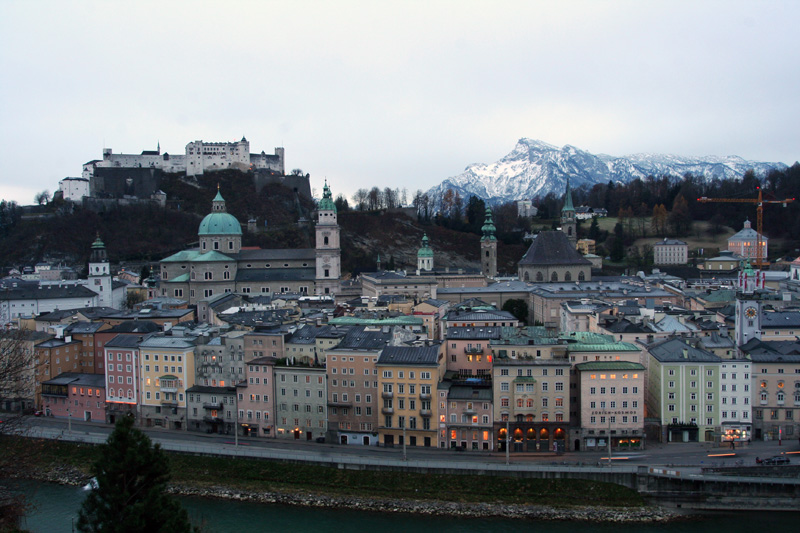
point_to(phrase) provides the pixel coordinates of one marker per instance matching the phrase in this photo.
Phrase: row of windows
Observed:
(693, 372)
(171, 358)
(613, 419)
(634, 404)
(613, 390)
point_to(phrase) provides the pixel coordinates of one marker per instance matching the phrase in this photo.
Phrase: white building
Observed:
(198, 158)
(74, 189)
(526, 209)
(744, 243)
(670, 252)
(735, 396)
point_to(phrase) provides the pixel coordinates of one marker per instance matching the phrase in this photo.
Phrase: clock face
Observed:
(750, 312)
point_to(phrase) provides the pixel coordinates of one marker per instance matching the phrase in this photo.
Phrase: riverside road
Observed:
(697, 455)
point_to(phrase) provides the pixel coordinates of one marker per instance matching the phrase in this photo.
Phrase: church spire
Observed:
(568, 199)
(488, 228)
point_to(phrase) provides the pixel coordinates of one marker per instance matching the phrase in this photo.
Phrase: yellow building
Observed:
(167, 370)
(408, 378)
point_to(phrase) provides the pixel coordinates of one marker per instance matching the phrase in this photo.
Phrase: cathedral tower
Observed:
(328, 252)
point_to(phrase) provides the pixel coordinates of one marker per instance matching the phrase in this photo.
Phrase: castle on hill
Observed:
(137, 177)
(199, 157)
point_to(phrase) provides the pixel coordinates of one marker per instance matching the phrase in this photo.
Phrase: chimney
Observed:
(686, 353)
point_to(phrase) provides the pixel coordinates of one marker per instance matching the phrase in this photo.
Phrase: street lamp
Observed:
(609, 440)
(508, 440)
(69, 421)
(235, 415)
(405, 458)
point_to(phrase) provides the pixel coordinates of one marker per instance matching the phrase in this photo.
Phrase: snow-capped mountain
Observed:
(535, 168)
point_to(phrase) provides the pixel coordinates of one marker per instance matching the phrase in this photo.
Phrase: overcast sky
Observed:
(397, 94)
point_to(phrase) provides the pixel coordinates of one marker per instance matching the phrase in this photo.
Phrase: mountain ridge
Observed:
(536, 168)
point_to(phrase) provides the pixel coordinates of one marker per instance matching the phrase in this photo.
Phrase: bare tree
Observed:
(42, 198)
(17, 392)
(360, 199)
(374, 199)
(389, 198)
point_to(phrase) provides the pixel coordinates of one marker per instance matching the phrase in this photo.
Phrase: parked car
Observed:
(775, 460)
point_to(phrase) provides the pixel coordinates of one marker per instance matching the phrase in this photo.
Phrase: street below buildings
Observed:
(696, 455)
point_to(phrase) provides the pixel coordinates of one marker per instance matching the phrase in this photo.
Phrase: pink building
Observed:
(465, 415)
(122, 375)
(256, 399)
(469, 351)
(73, 395)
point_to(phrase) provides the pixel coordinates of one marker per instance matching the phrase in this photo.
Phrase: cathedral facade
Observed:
(221, 266)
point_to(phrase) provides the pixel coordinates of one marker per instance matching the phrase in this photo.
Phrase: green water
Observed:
(56, 508)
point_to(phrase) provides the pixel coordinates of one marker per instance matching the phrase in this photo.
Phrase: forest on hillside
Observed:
(372, 225)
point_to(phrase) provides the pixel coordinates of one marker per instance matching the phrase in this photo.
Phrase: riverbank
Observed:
(264, 481)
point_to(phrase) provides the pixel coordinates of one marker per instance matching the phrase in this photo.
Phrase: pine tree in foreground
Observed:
(131, 496)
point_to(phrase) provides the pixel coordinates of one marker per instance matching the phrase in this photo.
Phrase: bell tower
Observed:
(568, 221)
(100, 274)
(748, 304)
(488, 247)
(328, 251)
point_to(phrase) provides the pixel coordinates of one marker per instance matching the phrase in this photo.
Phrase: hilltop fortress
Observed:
(199, 157)
(138, 175)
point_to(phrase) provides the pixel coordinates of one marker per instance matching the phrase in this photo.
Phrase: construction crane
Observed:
(760, 217)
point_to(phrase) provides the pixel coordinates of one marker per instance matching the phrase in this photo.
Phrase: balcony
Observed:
(169, 403)
(213, 419)
(340, 404)
(470, 412)
(213, 406)
(387, 395)
(473, 350)
(387, 410)
(426, 413)
(424, 396)
(168, 389)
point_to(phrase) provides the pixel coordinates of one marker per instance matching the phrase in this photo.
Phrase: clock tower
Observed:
(748, 304)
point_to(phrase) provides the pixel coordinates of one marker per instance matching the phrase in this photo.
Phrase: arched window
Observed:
(554, 276)
(568, 276)
(581, 276)
(487, 255)
(539, 276)
(527, 276)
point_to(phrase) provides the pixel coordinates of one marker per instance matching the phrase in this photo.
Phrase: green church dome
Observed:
(426, 250)
(219, 222)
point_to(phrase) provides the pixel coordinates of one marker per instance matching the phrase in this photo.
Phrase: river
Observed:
(56, 509)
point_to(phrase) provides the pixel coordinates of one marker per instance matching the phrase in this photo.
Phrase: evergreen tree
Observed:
(132, 475)
(518, 308)
(594, 230)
